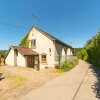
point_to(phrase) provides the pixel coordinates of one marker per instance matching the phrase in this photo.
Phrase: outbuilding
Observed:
(22, 56)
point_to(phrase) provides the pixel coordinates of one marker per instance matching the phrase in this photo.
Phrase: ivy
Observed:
(25, 42)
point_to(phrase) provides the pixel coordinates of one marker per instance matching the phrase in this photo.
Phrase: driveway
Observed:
(77, 84)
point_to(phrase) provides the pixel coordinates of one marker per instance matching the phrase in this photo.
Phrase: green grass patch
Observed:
(59, 71)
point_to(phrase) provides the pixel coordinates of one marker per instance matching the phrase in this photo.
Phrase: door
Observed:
(30, 61)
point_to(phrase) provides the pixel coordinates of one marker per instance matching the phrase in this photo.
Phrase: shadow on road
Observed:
(96, 85)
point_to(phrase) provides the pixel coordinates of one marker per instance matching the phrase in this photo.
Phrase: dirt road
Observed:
(77, 84)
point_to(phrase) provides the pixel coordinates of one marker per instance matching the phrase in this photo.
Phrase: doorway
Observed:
(30, 61)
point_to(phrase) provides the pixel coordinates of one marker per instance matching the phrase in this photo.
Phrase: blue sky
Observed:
(73, 21)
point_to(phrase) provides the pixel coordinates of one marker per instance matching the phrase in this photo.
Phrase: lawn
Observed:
(19, 81)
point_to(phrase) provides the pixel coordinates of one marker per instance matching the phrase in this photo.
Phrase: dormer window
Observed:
(33, 43)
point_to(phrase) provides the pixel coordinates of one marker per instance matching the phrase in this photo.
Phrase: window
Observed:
(49, 49)
(33, 43)
(43, 58)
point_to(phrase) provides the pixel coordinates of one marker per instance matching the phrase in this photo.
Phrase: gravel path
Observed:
(77, 84)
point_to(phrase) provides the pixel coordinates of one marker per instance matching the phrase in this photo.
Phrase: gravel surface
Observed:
(77, 84)
(18, 81)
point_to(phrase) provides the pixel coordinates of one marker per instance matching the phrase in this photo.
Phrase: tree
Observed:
(3, 53)
(93, 49)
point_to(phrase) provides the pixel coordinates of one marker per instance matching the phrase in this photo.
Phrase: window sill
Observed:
(43, 62)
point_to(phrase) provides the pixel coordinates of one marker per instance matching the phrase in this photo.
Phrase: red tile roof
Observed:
(24, 50)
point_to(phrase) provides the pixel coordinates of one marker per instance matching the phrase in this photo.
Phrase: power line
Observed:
(37, 19)
(12, 25)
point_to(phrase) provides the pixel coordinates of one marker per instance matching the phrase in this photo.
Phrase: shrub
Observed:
(93, 49)
(64, 66)
(67, 65)
(82, 54)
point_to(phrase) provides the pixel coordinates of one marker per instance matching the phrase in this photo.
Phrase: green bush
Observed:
(93, 50)
(67, 65)
(82, 54)
(64, 66)
(79, 55)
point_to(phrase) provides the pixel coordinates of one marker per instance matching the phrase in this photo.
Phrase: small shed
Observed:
(22, 56)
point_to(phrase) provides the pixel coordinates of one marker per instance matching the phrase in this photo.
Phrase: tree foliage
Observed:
(3, 53)
(25, 42)
(81, 53)
(91, 51)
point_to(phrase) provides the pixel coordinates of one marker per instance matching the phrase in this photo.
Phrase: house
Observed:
(44, 51)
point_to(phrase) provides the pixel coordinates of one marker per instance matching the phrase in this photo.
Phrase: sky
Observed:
(72, 21)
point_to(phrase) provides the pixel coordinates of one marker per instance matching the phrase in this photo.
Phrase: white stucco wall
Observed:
(69, 51)
(20, 60)
(10, 58)
(62, 51)
(42, 46)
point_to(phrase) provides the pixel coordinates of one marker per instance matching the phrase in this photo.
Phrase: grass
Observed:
(60, 71)
(16, 80)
